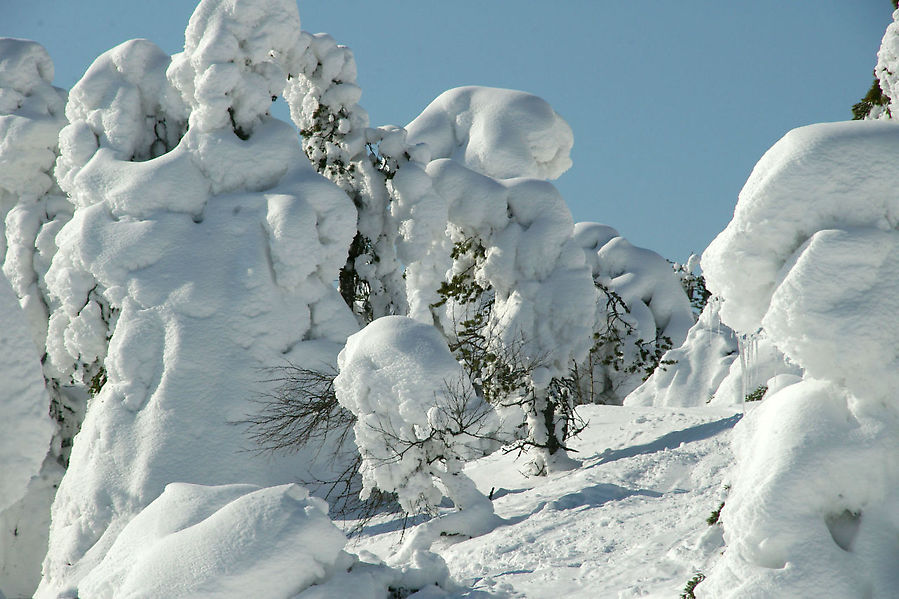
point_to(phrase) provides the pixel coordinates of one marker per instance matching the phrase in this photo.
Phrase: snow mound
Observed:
(497, 132)
(812, 513)
(225, 541)
(23, 401)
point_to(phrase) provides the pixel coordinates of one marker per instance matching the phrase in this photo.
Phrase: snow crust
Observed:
(497, 132)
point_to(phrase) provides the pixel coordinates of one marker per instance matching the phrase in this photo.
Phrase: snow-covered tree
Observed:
(323, 99)
(642, 312)
(417, 422)
(32, 210)
(517, 284)
(196, 256)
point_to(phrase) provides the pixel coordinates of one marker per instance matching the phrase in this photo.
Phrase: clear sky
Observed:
(671, 103)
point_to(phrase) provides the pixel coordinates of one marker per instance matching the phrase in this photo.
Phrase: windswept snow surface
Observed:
(631, 522)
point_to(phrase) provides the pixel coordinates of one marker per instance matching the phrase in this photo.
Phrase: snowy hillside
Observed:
(631, 522)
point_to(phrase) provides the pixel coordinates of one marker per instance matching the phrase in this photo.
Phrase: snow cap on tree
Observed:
(501, 133)
(237, 55)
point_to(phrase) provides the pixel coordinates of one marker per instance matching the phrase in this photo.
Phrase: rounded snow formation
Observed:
(31, 114)
(24, 401)
(501, 133)
(811, 253)
(224, 541)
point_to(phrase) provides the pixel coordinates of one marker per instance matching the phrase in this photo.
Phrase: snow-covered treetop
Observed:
(237, 55)
(31, 113)
(497, 132)
(832, 175)
(124, 105)
(644, 280)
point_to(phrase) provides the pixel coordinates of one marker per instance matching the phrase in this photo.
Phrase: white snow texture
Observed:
(811, 257)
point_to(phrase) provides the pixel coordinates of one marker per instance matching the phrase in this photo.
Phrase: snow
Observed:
(225, 541)
(709, 353)
(165, 240)
(181, 276)
(23, 399)
(812, 509)
(631, 522)
(497, 132)
(842, 169)
(655, 306)
(396, 377)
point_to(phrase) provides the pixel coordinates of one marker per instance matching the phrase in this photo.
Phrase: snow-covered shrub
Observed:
(811, 257)
(417, 420)
(642, 312)
(215, 259)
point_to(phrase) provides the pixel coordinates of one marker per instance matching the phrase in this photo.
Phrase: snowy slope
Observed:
(631, 522)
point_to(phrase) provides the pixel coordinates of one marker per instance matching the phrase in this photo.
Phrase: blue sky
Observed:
(671, 103)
